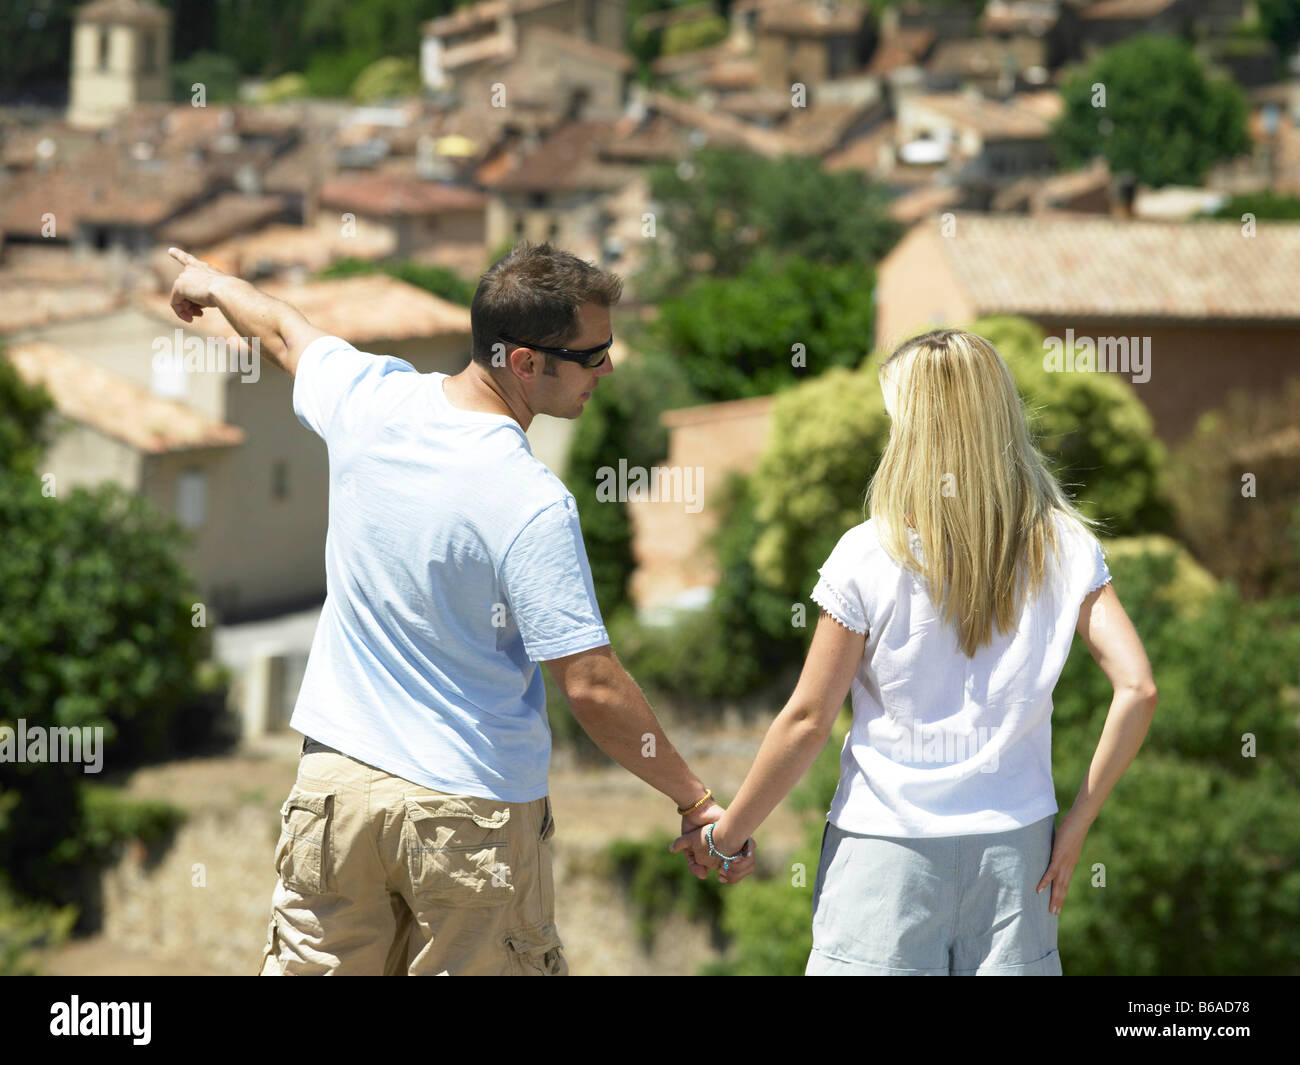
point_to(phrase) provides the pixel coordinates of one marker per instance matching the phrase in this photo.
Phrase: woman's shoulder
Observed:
(859, 547)
(862, 538)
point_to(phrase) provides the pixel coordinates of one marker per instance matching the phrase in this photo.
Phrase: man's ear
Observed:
(526, 364)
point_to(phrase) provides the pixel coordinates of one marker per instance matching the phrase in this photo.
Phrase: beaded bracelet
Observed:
(727, 859)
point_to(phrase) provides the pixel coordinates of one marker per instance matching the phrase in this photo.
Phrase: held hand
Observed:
(695, 846)
(192, 289)
(697, 819)
(1066, 851)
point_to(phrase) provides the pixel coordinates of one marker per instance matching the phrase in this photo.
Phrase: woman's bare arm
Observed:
(1113, 642)
(799, 732)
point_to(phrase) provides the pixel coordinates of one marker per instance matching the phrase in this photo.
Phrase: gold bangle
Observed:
(708, 794)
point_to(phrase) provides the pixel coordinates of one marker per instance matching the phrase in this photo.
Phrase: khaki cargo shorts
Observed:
(381, 876)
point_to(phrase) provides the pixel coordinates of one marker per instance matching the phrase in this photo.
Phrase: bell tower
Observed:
(121, 56)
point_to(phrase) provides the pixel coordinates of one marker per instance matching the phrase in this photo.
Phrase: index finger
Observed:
(182, 257)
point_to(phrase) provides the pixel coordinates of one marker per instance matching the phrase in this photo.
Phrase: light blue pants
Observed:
(945, 906)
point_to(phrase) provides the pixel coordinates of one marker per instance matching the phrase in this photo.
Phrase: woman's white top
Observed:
(942, 744)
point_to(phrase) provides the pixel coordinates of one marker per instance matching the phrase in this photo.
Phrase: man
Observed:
(416, 839)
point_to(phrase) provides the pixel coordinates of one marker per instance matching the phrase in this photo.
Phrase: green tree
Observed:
(25, 425)
(720, 206)
(1280, 21)
(775, 323)
(218, 74)
(1165, 119)
(95, 631)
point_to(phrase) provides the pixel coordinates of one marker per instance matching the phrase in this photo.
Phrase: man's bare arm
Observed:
(281, 330)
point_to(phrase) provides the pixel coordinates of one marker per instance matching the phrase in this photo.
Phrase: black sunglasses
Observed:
(586, 357)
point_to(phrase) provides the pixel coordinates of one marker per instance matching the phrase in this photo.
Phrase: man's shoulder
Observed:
(513, 483)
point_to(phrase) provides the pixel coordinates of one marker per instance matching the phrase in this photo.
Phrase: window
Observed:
(280, 480)
(192, 498)
(148, 57)
(103, 49)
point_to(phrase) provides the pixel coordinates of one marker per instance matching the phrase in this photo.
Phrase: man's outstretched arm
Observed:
(281, 330)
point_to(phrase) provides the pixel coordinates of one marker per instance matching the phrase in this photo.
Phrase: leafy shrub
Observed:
(1236, 490)
(438, 280)
(387, 78)
(218, 74)
(659, 883)
(698, 33)
(26, 927)
(828, 434)
(95, 632)
(291, 86)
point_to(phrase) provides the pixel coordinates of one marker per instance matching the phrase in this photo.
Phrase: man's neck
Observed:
(474, 389)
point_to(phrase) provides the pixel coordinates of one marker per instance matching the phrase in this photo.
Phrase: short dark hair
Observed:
(533, 293)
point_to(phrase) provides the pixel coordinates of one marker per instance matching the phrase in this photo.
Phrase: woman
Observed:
(949, 615)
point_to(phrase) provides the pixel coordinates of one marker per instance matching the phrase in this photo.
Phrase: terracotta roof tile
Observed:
(1093, 266)
(492, 49)
(367, 309)
(217, 219)
(1023, 116)
(485, 13)
(1124, 9)
(396, 194)
(567, 159)
(135, 12)
(588, 51)
(116, 406)
(813, 18)
(279, 248)
(724, 128)
(29, 305)
(904, 48)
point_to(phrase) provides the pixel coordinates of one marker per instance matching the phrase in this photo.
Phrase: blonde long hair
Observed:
(962, 470)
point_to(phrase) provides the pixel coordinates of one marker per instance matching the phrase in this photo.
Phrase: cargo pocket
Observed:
(458, 850)
(270, 953)
(536, 951)
(304, 836)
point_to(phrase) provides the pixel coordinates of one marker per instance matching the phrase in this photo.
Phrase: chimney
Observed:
(1123, 191)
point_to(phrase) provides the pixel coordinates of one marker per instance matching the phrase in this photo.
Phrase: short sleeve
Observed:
(1096, 572)
(838, 590)
(333, 376)
(548, 586)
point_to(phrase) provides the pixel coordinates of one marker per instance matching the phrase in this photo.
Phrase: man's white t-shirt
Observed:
(454, 563)
(942, 744)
